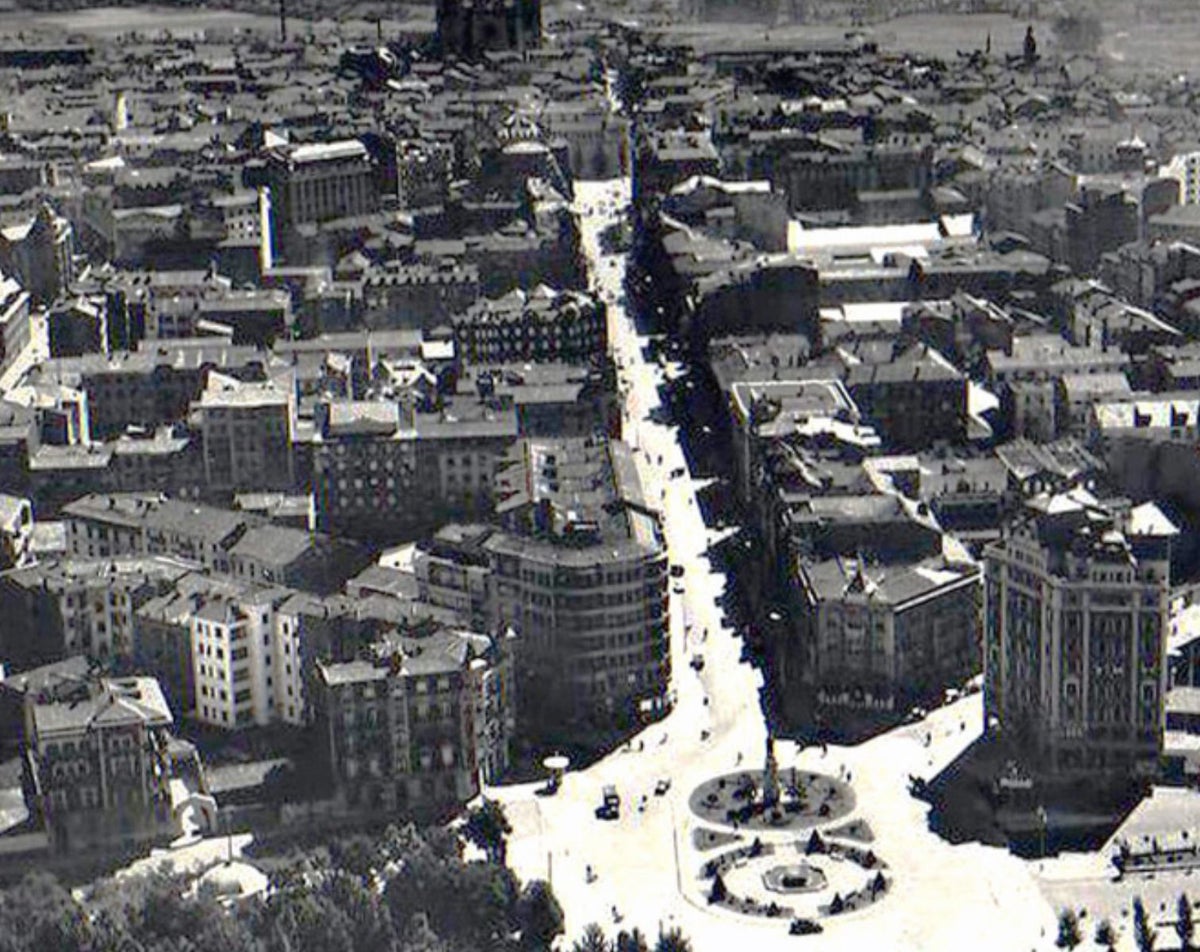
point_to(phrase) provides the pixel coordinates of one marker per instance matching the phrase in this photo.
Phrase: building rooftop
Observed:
(900, 586)
(273, 545)
(113, 703)
(158, 514)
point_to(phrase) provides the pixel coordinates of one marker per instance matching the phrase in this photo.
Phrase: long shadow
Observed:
(583, 750)
(967, 806)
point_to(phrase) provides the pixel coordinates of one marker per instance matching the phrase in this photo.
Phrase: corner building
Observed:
(1075, 666)
(580, 573)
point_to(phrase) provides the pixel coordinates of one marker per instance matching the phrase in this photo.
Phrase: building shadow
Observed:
(985, 796)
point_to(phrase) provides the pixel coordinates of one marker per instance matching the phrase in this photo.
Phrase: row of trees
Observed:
(1145, 936)
(594, 940)
(407, 891)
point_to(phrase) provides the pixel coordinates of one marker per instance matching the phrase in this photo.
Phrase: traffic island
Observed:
(826, 879)
(743, 800)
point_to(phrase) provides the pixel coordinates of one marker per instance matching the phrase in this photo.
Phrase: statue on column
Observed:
(770, 787)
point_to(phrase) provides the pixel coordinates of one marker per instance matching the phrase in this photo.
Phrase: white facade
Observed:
(246, 664)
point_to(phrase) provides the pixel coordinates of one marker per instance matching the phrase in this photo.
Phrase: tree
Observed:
(592, 940)
(1068, 930)
(487, 827)
(719, 892)
(1185, 926)
(815, 844)
(1105, 934)
(38, 913)
(632, 941)
(539, 916)
(1143, 935)
(673, 940)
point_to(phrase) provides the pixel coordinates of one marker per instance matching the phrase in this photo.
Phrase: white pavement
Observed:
(944, 896)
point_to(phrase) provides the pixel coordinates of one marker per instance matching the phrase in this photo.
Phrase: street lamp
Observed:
(1042, 822)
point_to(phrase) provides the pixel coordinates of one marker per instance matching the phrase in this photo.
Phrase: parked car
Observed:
(697, 662)
(677, 571)
(662, 786)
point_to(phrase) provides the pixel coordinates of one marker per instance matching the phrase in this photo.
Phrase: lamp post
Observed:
(1042, 822)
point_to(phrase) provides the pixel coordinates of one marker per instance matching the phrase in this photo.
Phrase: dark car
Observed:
(804, 927)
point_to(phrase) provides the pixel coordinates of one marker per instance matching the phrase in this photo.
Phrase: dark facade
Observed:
(468, 28)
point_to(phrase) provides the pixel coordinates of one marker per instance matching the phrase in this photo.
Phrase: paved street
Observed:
(644, 862)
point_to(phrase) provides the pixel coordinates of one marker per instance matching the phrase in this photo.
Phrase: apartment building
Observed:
(881, 638)
(418, 721)
(99, 763)
(247, 430)
(381, 469)
(539, 325)
(579, 571)
(62, 607)
(1075, 634)
(227, 542)
(246, 661)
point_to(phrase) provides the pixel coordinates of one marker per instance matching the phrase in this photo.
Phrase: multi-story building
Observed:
(835, 180)
(913, 400)
(1075, 634)
(319, 182)
(14, 320)
(580, 573)
(146, 388)
(247, 429)
(16, 531)
(1185, 169)
(470, 29)
(373, 461)
(226, 542)
(1025, 376)
(246, 662)
(100, 768)
(418, 296)
(40, 252)
(1102, 219)
(538, 325)
(78, 606)
(452, 571)
(104, 526)
(424, 169)
(418, 722)
(881, 638)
